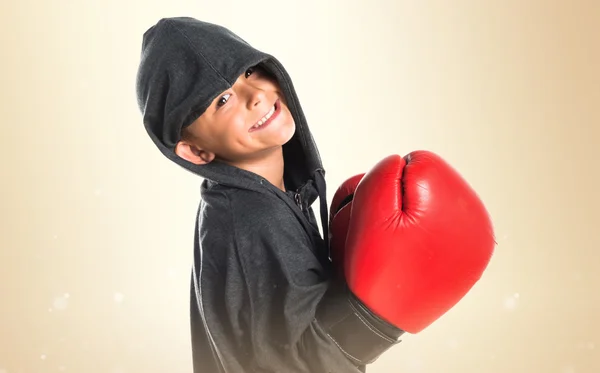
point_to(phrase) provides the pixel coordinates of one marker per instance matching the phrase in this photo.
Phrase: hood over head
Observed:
(185, 64)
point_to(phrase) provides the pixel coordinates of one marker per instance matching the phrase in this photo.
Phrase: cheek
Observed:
(234, 130)
(288, 116)
(222, 136)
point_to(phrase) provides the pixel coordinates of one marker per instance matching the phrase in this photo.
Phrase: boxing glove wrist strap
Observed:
(360, 334)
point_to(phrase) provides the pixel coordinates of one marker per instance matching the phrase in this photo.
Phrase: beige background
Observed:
(97, 225)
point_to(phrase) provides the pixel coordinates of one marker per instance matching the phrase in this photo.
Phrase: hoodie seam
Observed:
(199, 54)
(193, 112)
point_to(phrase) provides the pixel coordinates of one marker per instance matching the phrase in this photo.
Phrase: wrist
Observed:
(360, 334)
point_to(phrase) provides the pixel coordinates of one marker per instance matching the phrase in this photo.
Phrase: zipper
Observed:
(298, 199)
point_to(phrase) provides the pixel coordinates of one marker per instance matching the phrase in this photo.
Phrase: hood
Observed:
(185, 63)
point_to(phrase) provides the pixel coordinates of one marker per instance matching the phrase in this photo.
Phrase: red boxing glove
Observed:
(418, 239)
(339, 218)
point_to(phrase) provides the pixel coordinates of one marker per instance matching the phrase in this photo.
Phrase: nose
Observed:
(252, 94)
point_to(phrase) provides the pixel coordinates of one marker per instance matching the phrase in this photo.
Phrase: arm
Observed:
(268, 304)
(286, 287)
(297, 319)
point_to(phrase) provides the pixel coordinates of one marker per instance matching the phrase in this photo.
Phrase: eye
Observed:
(223, 100)
(249, 72)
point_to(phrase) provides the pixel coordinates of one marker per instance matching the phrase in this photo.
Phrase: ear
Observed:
(192, 153)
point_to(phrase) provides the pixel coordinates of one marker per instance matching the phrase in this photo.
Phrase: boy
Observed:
(262, 295)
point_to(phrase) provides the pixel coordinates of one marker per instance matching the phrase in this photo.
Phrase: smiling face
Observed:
(245, 123)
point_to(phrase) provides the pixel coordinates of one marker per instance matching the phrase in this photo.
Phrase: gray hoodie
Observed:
(262, 294)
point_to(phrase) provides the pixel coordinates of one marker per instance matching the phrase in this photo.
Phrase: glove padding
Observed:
(418, 239)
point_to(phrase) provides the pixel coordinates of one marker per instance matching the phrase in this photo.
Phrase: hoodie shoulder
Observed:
(256, 225)
(251, 209)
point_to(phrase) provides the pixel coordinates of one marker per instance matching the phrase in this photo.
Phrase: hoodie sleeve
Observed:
(285, 284)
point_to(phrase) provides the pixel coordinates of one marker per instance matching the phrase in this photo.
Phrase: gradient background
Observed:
(97, 226)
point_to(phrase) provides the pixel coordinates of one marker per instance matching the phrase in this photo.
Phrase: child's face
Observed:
(241, 124)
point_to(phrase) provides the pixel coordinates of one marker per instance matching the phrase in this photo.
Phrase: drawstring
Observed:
(321, 188)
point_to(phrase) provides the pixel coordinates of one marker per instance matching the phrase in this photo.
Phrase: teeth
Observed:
(265, 118)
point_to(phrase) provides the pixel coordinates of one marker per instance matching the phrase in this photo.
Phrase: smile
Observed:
(268, 118)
